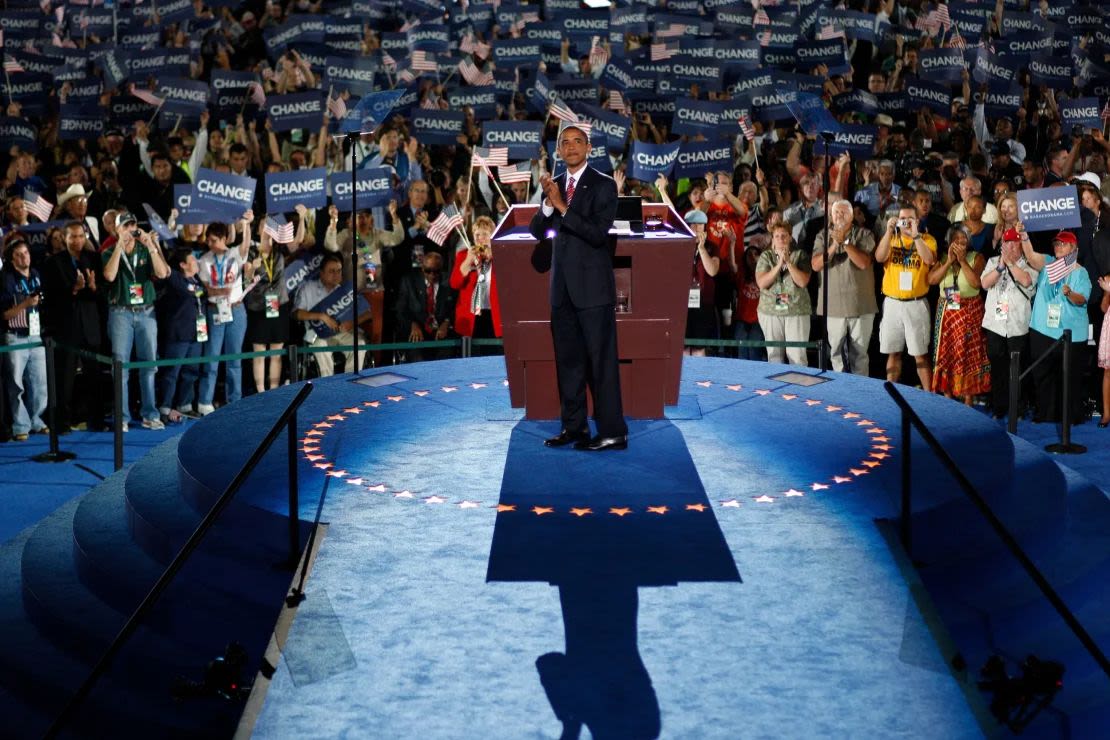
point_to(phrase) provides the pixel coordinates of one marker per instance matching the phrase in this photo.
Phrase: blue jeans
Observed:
(26, 385)
(177, 383)
(136, 330)
(753, 332)
(224, 339)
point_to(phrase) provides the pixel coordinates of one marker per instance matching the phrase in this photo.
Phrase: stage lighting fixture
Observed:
(223, 678)
(1018, 700)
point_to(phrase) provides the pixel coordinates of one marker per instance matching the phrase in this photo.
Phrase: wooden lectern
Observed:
(653, 272)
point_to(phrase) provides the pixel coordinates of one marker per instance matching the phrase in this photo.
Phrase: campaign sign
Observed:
(1052, 71)
(375, 188)
(297, 110)
(829, 52)
(160, 228)
(993, 67)
(230, 89)
(188, 212)
(1049, 209)
(524, 139)
(693, 117)
(1024, 45)
(482, 100)
(894, 104)
(811, 114)
(355, 74)
(922, 94)
(17, 132)
(859, 141)
(76, 122)
(856, 101)
(648, 160)
(1002, 100)
(941, 65)
(1017, 22)
(516, 51)
(615, 126)
(687, 70)
(340, 305)
(598, 158)
(441, 127)
(738, 54)
(799, 82)
(577, 90)
(1080, 112)
(225, 195)
(771, 103)
(306, 267)
(696, 158)
(182, 96)
(371, 111)
(286, 190)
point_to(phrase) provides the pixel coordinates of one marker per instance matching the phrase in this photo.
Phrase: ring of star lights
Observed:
(879, 450)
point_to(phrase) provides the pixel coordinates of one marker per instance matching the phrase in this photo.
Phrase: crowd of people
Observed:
(924, 245)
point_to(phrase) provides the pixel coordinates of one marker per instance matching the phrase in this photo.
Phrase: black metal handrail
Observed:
(1065, 444)
(910, 417)
(288, 419)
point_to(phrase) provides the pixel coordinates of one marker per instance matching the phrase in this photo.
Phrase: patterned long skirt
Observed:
(961, 366)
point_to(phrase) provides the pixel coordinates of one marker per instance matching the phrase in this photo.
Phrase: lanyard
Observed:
(268, 265)
(126, 262)
(219, 269)
(29, 287)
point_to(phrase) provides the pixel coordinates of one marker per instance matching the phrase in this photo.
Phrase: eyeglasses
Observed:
(431, 271)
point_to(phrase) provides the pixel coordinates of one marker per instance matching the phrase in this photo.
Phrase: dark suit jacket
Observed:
(412, 300)
(74, 319)
(582, 252)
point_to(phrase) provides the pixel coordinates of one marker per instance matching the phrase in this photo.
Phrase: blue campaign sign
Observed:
(482, 100)
(230, 89)
(17, 132)
(811, 114)
(615, 126)
(648, 160)
(1002, 99)
(1049, 209)
(859, 141)
(693, 117)
(993, 67)
(286, 190)
(696, 158)
(856, 101)
(829, 52)
(922, 94)
(375, 188)
(354, 74)
(1080, 112)
(438, 126)
(182, 96)
(516, 51)
(524, 139)
(223, 194)
(188, 211)
(941, 65)
(305, 267)
(76, 122)
(298, 110)
(340, 305)
(371, 111)
(707, 73)
(164, 232)
(540, 93)
(770, 103)
(1053, 71)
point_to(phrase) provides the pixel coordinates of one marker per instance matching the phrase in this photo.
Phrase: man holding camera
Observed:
(130, 269)
(20, 302)
(907, 254)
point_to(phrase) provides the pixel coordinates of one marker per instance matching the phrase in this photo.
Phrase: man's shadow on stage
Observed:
(600, 526)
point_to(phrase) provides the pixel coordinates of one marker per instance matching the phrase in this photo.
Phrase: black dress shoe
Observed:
(1103, 424)
(599, 443)
(564, 438)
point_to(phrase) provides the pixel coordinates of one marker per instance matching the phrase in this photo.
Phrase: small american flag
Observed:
(482, 50)
(278, 229)
(616, 103)
(337, 107)
(582, 126)
(470, 72)
(430, 102)
(520, 172)
(11, 66)
(746, 128)
(761, 18)
(560, 110)
(1105, 115)
(765, 38)
(670, 30)
(956, 40)
(663, 50)
(408, 25)
(406, 75)
(40, 207)
(940, 16)
(146, 96)
(423, 61)
(829, 32)
(466, 44)
(257, 94)
(447, 220)
(599, 55)
(1061, 268)
(494, 156)
(388, 61)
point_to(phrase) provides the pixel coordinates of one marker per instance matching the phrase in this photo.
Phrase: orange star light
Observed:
(696, 507)
(841, 479)
(337, 473)
(819, 486)
(336, 417)
(875, 430)
(851, 415)
(314, 433)
(395, 399)
(789, 396)
(541, 510)
(734, 387)
(657, 509)
(880, 439)
(881, 447)
(880, 455)
(372, 404)
(323, 466)
(502, 508)
(620, 510)
(762, 392)
(404, 494)
(857, 471)
(581, 512)
(323, 425)
(352, 410)
(864, 423)
(355, 481)
(811, 402)
(314, 458)
(871, 463)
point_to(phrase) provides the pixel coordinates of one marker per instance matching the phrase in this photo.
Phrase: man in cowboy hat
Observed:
(74, 205)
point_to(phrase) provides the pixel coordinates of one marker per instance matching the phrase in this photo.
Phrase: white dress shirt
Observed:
(549, 209)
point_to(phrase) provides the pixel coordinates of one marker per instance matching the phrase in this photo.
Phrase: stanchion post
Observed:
(54, 454)
(291, 358)
(907, 501)
(1065, 445)
(467, 347)
(1015, 391)
(119, 403)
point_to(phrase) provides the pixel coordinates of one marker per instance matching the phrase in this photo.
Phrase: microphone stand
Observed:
(826, 348)
(352, 138)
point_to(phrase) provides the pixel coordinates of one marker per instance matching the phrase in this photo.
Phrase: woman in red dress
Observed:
(477, 310)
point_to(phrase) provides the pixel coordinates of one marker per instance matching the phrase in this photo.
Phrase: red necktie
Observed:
(570, 189)
(430, 308)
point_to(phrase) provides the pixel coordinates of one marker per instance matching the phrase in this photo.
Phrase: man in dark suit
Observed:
(425, 308)
(579, 206)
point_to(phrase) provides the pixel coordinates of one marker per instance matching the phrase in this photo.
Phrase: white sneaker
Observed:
(153, 424)
(204, 409)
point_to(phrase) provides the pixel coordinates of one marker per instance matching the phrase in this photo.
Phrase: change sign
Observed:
(375, 188)
(648, 160)
(1049, 209)
(441, 127)
(524, 139)
(285, 190)
(227, 197)
(340, 305)
(298, 110)
(1080, 112)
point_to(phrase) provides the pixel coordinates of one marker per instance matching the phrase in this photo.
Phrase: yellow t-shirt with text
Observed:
(904, 259)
